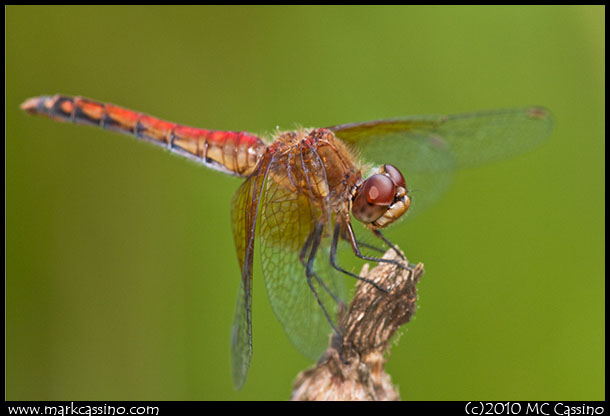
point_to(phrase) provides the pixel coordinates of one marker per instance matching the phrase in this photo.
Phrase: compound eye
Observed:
(395, 174)
(379, 190)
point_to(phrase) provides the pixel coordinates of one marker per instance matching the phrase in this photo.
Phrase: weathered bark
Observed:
(357, 373)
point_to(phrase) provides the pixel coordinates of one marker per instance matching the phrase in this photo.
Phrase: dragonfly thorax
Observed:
(381, 199)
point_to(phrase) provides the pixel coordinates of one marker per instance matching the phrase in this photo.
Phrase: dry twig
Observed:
(372, 319)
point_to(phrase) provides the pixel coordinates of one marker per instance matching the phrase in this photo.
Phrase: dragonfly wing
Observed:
(289, 219)
(244, 209)
(428, 148)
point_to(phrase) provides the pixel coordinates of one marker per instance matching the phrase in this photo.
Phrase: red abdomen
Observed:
(235, 153)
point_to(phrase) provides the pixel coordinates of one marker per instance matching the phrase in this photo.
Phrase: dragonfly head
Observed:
(381, 199)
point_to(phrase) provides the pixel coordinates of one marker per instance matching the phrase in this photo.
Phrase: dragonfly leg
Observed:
(370, 246)
(302, 256)
(364, 244)
(337, 343)
(388, 242)
(392, 246)
(333, 261)
(352, 239)
(312, 243)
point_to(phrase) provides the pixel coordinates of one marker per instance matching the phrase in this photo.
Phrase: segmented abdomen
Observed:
(236, 153)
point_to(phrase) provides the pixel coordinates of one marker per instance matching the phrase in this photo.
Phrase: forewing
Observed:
(244, 210)
(288, 217)
(427, 148)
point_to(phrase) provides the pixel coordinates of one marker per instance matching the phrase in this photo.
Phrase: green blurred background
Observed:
(121, 271)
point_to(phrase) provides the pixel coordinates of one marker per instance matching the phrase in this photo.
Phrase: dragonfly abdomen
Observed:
(231, 152)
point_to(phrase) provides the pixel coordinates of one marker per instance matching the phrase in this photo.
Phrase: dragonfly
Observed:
(302, 189)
